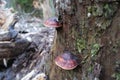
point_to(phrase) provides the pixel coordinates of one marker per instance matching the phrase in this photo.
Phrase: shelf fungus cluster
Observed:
(66, 61)
(52, 22)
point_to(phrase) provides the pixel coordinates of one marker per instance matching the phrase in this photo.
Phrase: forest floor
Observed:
(30, 64)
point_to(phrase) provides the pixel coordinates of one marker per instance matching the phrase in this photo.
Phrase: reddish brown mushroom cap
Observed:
(66, 61)
(52, 22)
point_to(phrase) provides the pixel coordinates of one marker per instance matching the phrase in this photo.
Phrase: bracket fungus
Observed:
(52, 22)
(66, 61)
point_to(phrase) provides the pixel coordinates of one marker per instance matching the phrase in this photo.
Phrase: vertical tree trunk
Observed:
(85, 32)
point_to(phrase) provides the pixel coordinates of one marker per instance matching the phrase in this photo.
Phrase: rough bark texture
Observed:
(90, 30)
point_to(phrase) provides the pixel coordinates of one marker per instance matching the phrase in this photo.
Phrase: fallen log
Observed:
(6, 44)
(10, 34)
(13, 49)
(7, 36)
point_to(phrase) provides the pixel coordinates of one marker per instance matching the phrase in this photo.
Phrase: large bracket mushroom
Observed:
(66, 61)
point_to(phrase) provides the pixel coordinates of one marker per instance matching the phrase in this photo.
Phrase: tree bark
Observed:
(85, 32)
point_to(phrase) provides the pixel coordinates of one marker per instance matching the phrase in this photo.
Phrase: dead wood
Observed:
(12, 49)
(5, 36)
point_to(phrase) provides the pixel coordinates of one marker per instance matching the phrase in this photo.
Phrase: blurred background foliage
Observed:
(25, 6)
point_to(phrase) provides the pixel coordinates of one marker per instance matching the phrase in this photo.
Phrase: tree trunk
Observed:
(90, 30)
